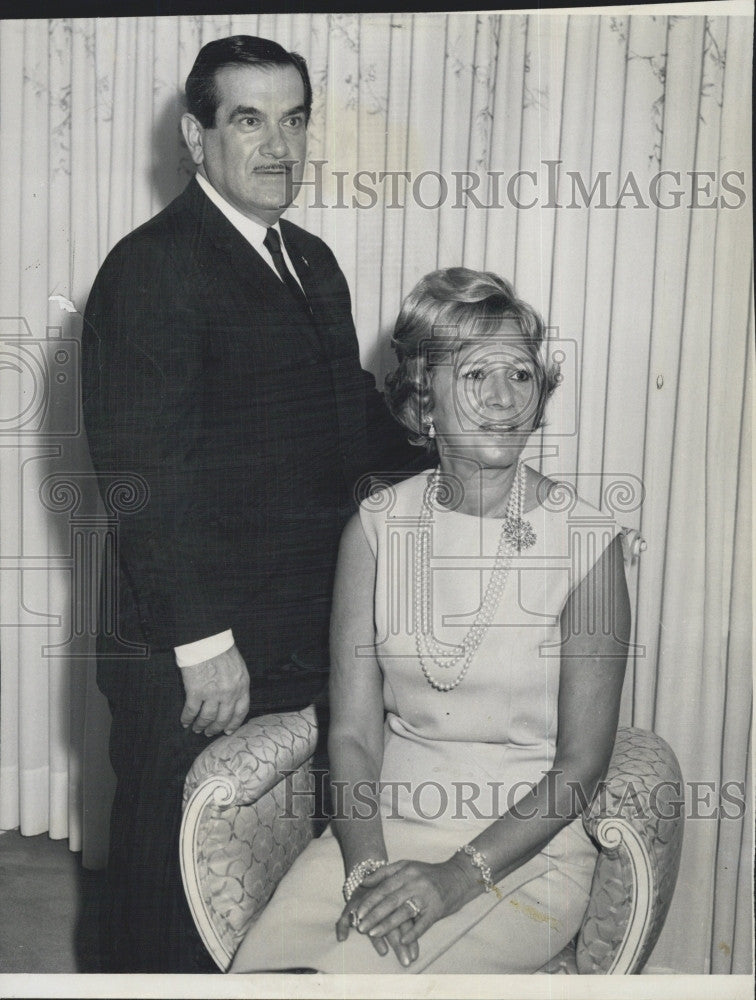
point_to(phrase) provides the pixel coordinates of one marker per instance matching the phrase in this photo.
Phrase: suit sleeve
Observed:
(385, 448)
(389, 447)
(142, 385)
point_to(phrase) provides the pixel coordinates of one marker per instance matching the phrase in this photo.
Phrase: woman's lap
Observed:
(538, 911)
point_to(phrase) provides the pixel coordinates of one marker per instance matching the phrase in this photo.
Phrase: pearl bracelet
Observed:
(360, 871)
(478, 860)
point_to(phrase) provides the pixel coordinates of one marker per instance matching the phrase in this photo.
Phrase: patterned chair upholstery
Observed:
(248, 806)
(247, 815)
(636, 820)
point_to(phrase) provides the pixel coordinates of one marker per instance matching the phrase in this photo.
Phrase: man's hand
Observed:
(217, 694)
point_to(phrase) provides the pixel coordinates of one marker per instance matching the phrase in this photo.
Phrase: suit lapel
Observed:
(307, 278)
(249, 265)
(301, 265)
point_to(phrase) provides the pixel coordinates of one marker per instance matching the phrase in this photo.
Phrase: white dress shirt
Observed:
(254, 232)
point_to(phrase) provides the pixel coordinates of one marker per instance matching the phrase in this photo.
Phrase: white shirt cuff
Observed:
(192, 653)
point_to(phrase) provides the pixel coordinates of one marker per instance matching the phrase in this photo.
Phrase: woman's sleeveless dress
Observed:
(454, 761)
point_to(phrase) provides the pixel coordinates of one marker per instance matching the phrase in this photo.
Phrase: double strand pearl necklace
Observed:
(515, 533)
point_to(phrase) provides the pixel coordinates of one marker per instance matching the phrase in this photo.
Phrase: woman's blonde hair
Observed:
(444, 309)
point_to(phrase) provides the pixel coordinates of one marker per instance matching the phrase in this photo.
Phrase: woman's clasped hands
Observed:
(396, 904)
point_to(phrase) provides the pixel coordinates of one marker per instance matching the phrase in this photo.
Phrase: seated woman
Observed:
(479, 637)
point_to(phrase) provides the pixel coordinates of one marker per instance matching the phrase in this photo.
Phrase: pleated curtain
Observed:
(600, 162)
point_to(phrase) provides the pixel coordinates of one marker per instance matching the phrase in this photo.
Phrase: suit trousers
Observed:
(145, 922)
(146, 925)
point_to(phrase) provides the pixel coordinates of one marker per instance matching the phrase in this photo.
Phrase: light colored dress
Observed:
(454, 761)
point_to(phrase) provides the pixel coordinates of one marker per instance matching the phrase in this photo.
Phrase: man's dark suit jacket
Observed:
(250, 422)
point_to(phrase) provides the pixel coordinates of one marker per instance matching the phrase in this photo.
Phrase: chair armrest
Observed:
(637, 819)
(248, 807)
(251, 761)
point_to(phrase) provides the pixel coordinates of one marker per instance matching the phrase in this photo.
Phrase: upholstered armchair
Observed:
(248, 806)
(247, 815)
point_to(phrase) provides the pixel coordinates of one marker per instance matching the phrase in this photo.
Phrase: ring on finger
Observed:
(416, 911)
(353, 918)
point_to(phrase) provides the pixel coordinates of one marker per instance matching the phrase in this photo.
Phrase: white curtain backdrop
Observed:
(650, 302)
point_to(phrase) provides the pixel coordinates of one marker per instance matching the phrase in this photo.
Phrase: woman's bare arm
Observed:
(355, 741)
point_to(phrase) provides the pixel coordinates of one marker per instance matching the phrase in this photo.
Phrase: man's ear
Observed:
(193, 135)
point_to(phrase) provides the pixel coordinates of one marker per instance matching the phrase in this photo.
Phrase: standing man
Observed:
(220, 365)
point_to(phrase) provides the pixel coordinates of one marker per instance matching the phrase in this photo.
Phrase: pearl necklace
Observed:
(515, 533)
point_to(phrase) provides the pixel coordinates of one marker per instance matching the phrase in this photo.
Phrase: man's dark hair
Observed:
(237, 50)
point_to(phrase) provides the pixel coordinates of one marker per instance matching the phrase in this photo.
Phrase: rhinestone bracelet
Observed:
(360, 871)
(478, 860)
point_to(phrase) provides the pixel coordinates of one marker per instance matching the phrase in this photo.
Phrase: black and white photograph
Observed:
(376, 555)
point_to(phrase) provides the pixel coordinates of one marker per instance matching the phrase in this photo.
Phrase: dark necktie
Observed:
(272, 244)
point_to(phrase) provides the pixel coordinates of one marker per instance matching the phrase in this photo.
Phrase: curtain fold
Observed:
(600, 162)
